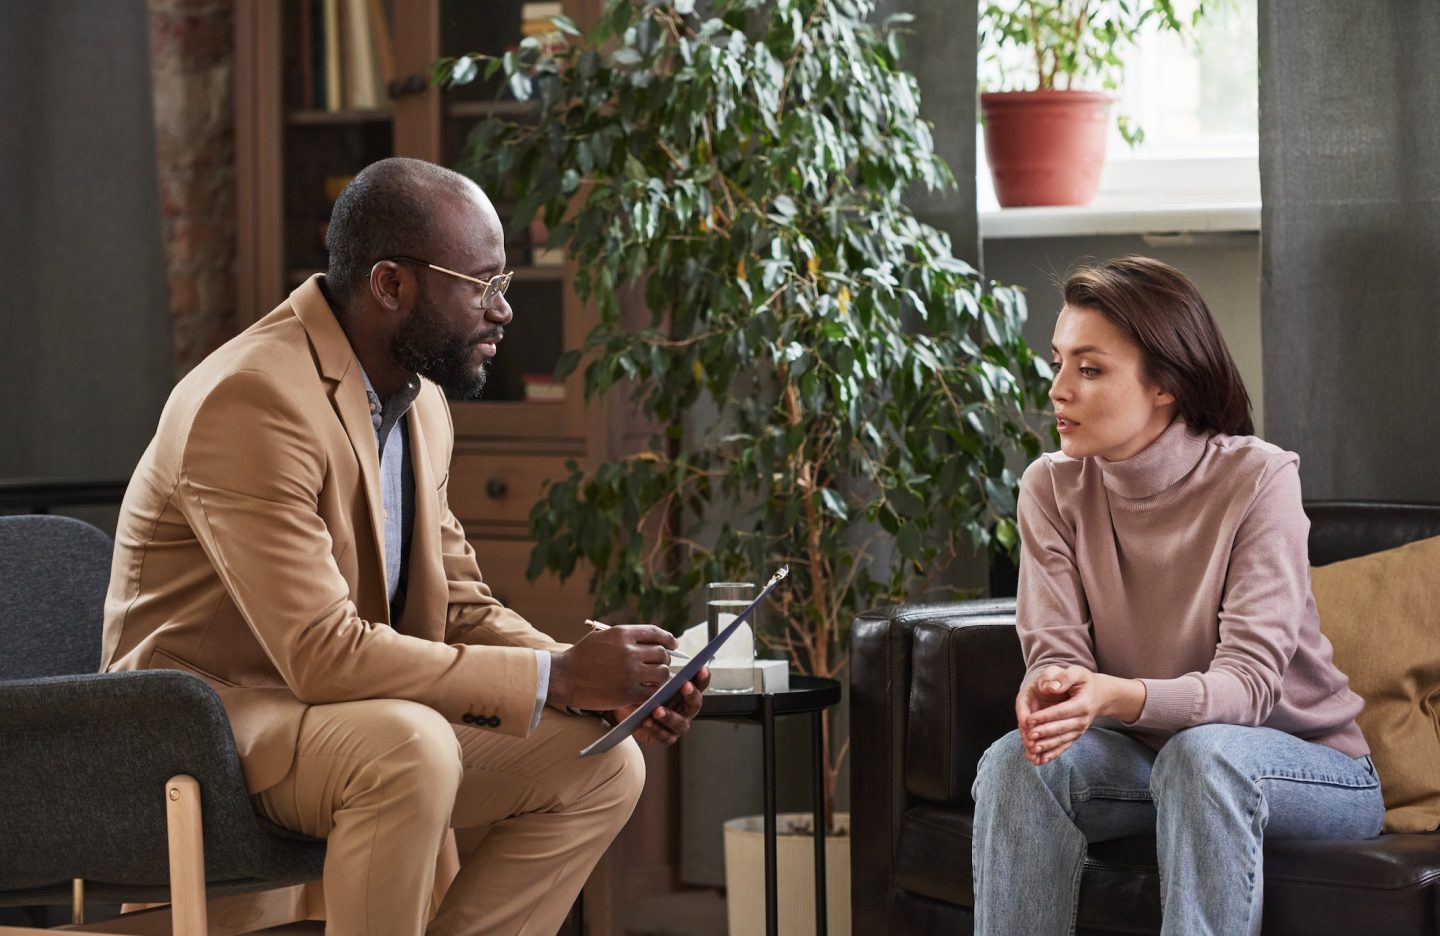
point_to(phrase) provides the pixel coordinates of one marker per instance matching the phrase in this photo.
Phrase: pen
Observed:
(674, 654)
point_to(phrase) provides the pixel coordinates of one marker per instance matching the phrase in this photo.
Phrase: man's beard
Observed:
(427, 345)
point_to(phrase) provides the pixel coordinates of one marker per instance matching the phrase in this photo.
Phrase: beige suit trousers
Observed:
(383, 780)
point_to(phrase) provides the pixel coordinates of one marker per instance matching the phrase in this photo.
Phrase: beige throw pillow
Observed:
(1382, 613)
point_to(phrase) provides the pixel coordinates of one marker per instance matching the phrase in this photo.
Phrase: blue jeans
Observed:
(1211, 795)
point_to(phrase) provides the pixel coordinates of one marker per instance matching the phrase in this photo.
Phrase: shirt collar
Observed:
(399, 403)
(1163, 463)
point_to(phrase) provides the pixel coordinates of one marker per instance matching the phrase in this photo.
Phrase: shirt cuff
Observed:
(542, 685)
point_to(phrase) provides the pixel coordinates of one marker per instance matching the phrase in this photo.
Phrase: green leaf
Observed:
(565, 364)
(463, 71)
(566, 25)
(1007, 533)
(907, 540)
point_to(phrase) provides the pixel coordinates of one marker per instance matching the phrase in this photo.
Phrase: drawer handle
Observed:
(495, 489)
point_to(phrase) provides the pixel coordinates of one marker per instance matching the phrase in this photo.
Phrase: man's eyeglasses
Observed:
(490, 290)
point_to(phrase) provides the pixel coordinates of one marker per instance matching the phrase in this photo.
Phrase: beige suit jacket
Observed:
(249, 550)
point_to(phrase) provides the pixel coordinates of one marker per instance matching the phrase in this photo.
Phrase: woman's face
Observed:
(1103, 406)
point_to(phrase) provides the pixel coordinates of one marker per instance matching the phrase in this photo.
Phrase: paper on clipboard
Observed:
(672, 687)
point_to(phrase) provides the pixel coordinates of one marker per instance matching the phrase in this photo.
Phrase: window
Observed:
(1198, 104)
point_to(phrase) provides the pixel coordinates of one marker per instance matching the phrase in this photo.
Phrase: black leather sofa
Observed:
(932, 686)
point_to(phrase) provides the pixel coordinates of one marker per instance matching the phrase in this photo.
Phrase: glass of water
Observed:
(733, 667)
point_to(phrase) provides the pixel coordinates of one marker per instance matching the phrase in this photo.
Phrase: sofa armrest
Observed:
(880, 692)
(965, 672)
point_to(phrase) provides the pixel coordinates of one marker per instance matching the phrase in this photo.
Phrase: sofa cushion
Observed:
(1380, 613)
(1381, 885)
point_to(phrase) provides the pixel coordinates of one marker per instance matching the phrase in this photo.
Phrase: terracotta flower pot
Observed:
(1045, 147)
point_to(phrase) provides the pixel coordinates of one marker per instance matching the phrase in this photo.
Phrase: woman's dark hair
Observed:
(1160, 310)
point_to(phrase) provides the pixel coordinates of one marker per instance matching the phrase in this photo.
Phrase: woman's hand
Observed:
(1061, 702)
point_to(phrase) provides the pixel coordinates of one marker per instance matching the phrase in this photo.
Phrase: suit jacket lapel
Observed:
(426, 592)
(339, 366)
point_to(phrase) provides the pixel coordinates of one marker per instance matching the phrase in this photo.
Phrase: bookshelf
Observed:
(308, 116)
(297, 140)
(295, 146)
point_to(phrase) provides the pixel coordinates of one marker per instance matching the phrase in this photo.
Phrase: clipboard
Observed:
(672, 687)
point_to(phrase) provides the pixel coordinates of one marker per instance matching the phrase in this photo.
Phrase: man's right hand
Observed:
(612, 668)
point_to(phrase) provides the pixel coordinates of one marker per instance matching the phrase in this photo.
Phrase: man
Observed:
(286, 537)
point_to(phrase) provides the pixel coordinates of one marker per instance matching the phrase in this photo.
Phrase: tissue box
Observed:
(764, 676)
(772, 676)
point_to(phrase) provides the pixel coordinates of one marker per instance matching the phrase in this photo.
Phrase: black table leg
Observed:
(767, 721)
(817, 735)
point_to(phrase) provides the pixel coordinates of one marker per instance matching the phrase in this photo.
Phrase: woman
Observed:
(1177, 681)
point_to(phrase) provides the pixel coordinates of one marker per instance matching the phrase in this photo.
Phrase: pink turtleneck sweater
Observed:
(1184, 566)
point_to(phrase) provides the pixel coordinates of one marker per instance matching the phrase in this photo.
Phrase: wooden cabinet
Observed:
(295, 145)
(305, 124)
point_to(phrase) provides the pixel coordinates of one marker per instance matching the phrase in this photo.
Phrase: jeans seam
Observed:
(1129, 796)
(1340, 782)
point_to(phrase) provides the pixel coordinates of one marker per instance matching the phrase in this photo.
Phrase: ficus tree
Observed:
(828, 386)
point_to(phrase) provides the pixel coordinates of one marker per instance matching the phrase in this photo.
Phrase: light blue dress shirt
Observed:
(397, 496)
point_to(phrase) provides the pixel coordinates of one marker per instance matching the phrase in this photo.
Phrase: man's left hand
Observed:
(668, 722)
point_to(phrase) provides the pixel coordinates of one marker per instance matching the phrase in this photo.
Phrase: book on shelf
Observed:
(535, 23)
(542, 388)
(347, 54)
(541, 254)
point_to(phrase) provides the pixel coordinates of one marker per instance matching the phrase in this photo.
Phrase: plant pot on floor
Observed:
(1045, 147)
(795, 871)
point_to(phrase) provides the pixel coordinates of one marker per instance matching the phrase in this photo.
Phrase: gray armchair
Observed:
(102, 776)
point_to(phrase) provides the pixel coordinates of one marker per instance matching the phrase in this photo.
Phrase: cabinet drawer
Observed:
(557, 609)
(499, 488)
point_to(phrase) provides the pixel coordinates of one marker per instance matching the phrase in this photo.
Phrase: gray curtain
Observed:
(85, 360)
(1350, 244)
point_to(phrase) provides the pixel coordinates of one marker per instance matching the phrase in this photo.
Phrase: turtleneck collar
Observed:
(1172, 456)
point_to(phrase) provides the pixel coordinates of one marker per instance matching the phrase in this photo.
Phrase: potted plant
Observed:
(1046, 123)
(828, 386)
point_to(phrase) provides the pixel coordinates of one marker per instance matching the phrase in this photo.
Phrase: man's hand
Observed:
(1061, 703)
(611, 668)
(667, 723)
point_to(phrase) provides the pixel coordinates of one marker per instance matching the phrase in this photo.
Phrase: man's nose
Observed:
(500, 312)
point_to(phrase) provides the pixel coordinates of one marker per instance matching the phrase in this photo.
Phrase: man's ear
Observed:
(386, 284)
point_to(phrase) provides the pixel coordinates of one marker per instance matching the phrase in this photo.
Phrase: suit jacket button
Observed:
(467, 718)
(494, 721)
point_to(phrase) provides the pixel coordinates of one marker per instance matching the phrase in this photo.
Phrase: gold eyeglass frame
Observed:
(490, 289)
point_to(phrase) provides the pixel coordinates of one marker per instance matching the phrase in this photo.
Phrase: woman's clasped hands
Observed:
(1060, 703)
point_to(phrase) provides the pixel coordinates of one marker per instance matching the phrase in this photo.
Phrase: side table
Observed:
(807, 695)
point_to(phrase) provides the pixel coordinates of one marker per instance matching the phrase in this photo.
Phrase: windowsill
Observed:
(1115, 217)
(1150, 196)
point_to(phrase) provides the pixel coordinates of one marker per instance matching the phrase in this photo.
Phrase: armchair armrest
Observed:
(85, 760)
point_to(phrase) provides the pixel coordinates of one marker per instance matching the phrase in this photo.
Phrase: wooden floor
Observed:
(694, 913)
(698, 912)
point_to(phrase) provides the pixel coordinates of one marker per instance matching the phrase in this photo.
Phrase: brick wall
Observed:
(192, 63)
